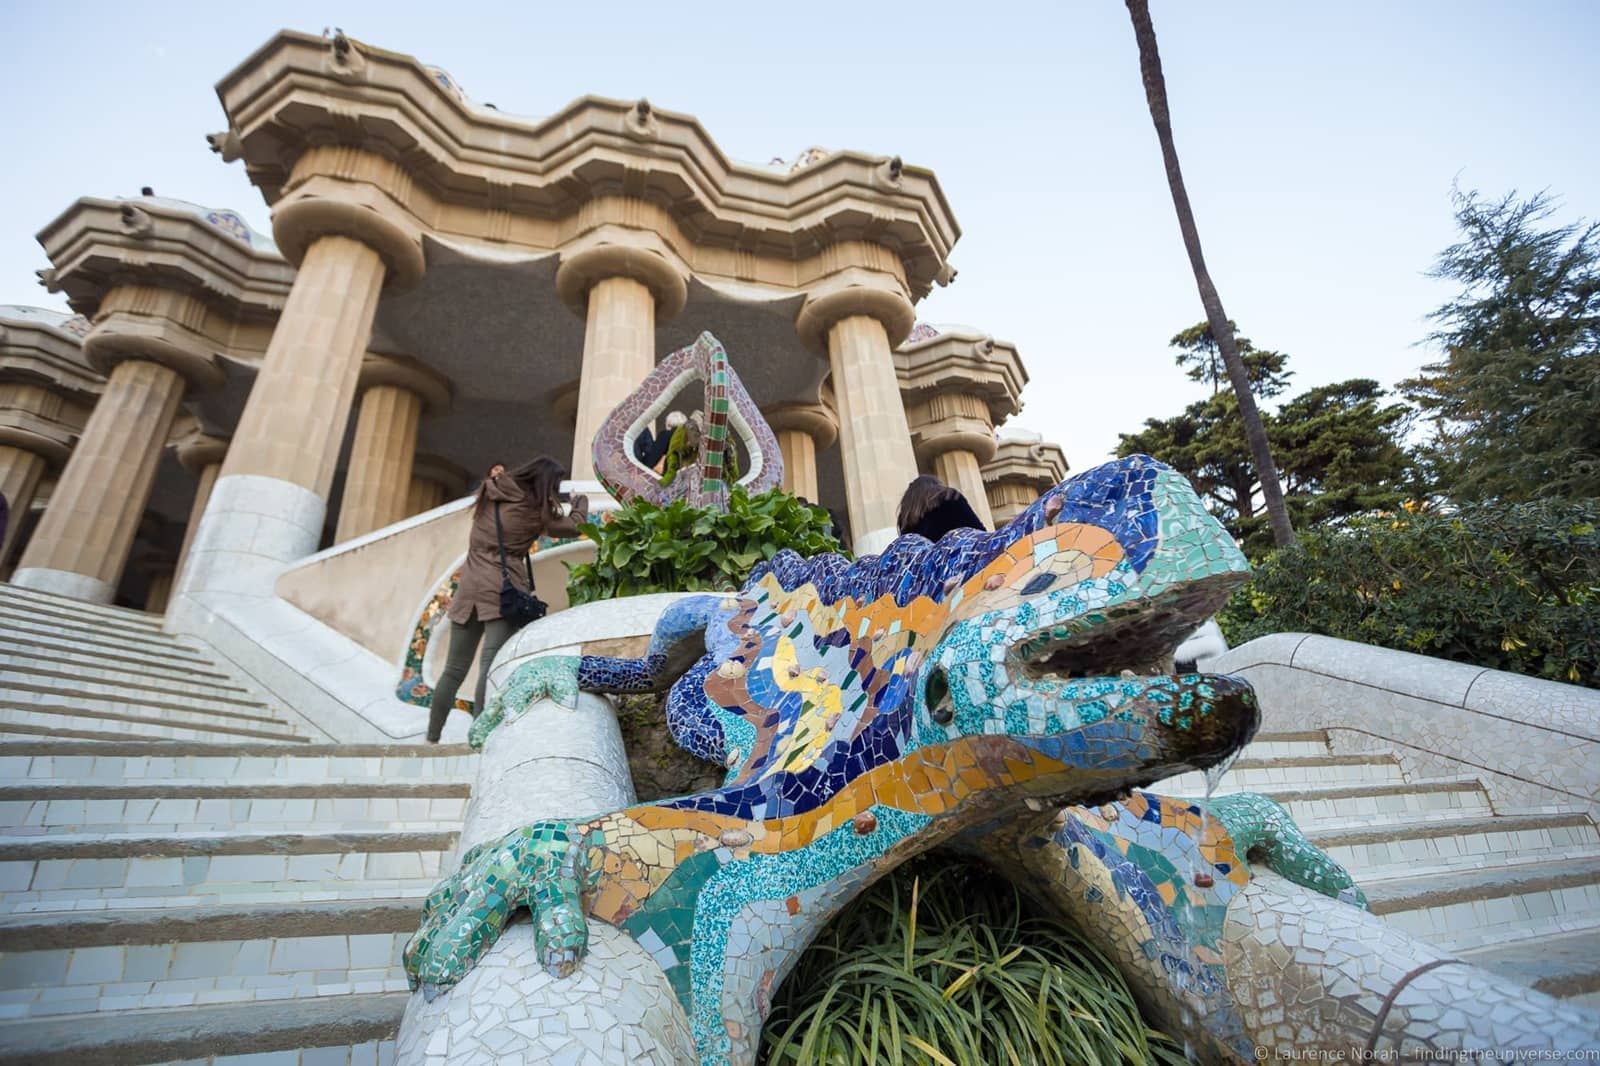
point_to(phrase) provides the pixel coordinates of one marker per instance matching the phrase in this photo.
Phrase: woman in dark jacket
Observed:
(530, 506)
(931, 508)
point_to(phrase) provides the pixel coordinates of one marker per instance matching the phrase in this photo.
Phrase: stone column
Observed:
(434, 481)
(953, 437)
(803, 430)
(201, 455)
(84, 537)
(1024, 466)
(20, 473)
(623, 291)
(377, 486)
(160, 588)
(859, 324)
(270, 499)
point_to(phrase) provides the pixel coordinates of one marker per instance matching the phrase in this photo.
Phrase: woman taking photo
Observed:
(528, 503)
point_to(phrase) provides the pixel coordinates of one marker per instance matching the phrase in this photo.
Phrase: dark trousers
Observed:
(463, 642)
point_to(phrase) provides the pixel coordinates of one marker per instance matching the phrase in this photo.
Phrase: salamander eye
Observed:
(937, 694)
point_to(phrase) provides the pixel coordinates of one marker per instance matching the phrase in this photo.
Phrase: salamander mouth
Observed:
(1140, 644)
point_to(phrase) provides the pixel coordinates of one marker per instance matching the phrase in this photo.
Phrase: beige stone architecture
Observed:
(448, 286)
(959, 384)
(256, 453)
(1023, 466)
(47, 390)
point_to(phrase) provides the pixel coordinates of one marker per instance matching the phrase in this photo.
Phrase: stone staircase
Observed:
(81, 671)
(170, 900)
(187, 870)
(188, 873)
(1515, 893)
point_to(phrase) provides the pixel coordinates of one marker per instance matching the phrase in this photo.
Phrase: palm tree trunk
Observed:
(1155, 90)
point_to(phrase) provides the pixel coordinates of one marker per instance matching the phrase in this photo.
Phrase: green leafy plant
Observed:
(941, 962)
(1510, 586)
(644, 548)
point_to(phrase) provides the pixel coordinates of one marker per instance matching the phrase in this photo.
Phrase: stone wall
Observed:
(1535, 744)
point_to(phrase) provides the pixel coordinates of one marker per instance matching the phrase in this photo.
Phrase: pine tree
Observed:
(1515, 402)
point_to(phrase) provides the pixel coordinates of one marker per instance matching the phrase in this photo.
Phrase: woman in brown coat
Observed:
(529, 503)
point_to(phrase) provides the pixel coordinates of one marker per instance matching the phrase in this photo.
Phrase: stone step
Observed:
(141, 677)
(1562, 966)
(86, 721)
(158, 648)
(370, 1053)
(125, 1038)
(1464, 909)
(71, 655)
(298, 763)
(186, 806)
(1399, 801)
(49, 685)
(16, 599)
(1286, 745)
(1269, 775)
(116, 977)
(143, 870)
(1374, 851)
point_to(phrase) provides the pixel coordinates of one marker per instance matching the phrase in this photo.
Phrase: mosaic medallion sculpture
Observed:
(700, 463)
(866, 711)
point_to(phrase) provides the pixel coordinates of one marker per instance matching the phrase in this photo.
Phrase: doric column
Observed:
(1024, 466)
(270, 500)
(33, 437)
(377, 486)
(951, 434)
(20, 473)
(958, 385)
(803, 430)
(83, 540)
(159, 588)
(857, 319)
(145, 340)
(201, 455)
(624, 282)
(434, 481)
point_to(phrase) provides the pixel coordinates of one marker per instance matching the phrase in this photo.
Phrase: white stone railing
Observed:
(1534, 744)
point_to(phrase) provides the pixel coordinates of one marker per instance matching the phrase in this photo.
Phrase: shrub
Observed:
(941, 962)
(677, 548)
(1509, 586)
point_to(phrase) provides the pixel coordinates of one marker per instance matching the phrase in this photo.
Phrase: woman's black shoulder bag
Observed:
(517, 607)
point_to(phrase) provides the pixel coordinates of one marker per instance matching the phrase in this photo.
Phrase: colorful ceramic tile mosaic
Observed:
(867, 711)
(727, 406)
(1153, 877)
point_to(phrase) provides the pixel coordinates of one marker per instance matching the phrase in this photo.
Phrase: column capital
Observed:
(937, 438)
(855, 291)
(200, 450)
(948, 420)
(441, 471)
(32, 419)
(158, 325)
(957, 358)
(815, 420)
(344, 192)
(404, 372)
(617, 252)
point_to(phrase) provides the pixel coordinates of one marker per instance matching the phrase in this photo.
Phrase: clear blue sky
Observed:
(1319, 143)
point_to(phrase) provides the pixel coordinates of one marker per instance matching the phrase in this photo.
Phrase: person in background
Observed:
(528, 499)
(651, 447)
(930, 508)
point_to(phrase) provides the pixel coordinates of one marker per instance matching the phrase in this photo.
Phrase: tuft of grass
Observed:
(942, 963)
